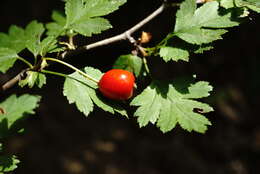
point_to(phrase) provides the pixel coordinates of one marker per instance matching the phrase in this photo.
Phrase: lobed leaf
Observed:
(15, 39)
(33, 78)
(74, 10)
(18, 39)
(8, 163)
(76, 92)
(227, 3)
(83, 92)
(196, 26)
(150, 106)
(91, 26)
(83, 16)
(49, 45)
(130, 63)
(96, 8)
(171, 103)
(250, 4)
(173, 53)
(16, 108)
(201, 36)
(57, 27)
(33, 32)
(7, 58)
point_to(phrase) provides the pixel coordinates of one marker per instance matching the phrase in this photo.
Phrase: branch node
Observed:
(129, 37)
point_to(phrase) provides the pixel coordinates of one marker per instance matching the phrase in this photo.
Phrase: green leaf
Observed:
(171, 103)
(33, 78)
(191, 22)
(49, 45)
(201, 36)
(250, 4)
(227, 3)
(14, 109)
(203, 48)
(173, 53)
(57, 27)
(33, 32)
(15, 40)
(102, 7)
(7, 58)
(83, 92)
(4, 40)
(83, 16)
(18, 39)
(91, 26)
(150, 106)
(130, 63)
(74, 10)
(8, 163)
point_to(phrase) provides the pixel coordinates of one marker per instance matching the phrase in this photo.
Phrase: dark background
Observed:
(59, 139)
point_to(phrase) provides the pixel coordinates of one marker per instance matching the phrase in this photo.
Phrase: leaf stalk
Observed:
(71, 67)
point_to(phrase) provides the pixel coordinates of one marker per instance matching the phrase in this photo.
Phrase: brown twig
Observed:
(14, 80)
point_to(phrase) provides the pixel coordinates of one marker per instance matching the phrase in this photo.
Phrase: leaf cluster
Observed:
(198, 27)
(13, 111)
(165, 104)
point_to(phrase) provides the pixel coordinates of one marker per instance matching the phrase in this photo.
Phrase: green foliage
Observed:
(83, 92)
(173, 53)
(7, 58)
(15, 109)
(130, 63)
(15, 39)
(33, 78)
(56, 27)
(83, 16)
(198, 28)
(170, 103)
(165, 104)
(8, 163)
(247, 4)
(198, 25)
(19, 39)
(250, 4)
(34, 31)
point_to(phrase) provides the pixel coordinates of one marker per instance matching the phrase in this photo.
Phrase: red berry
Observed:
(117, 84)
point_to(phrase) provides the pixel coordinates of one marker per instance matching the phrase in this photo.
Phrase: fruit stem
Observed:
(71, 67)
(54, 73)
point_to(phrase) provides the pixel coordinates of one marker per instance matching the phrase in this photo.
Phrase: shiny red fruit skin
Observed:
(117, 84)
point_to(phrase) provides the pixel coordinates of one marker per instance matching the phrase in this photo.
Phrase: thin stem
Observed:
(71, 67)
(71, 42)
(25, 61)
(54, 73)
